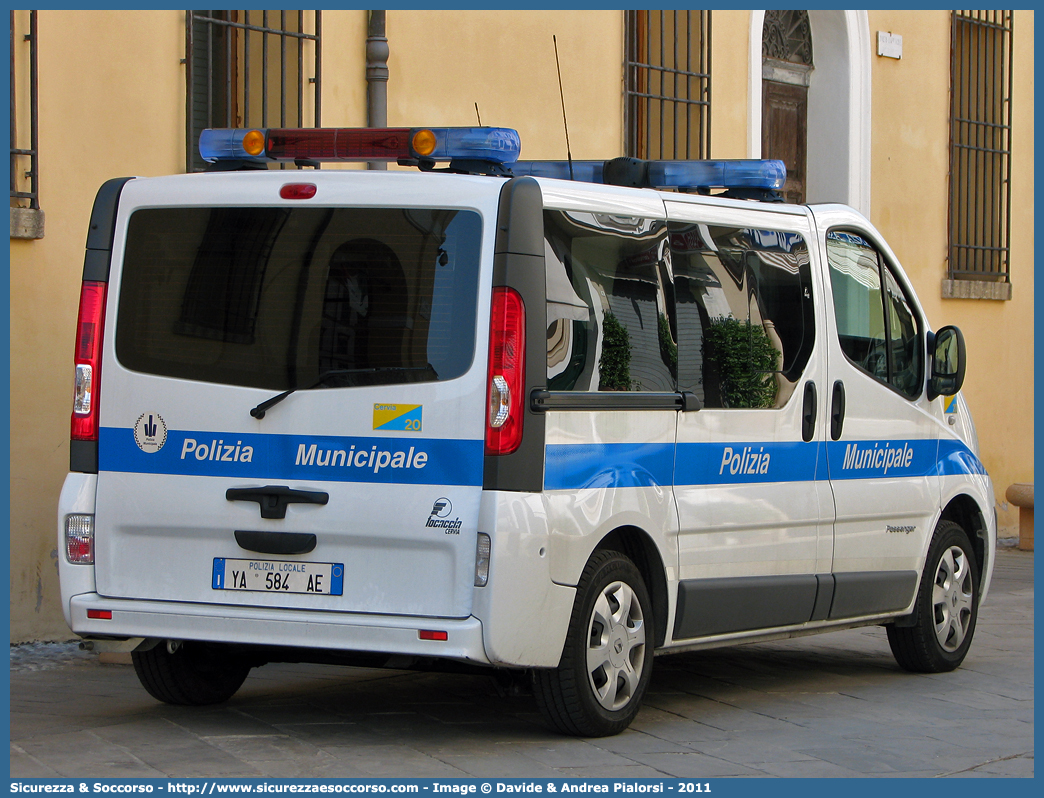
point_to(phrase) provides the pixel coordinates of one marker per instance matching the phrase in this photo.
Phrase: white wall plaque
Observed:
(890, 45)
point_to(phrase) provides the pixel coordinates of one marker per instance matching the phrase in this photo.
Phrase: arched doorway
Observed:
(837, 129)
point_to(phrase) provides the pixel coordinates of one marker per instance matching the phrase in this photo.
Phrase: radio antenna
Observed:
(477, 114)
(561, 93)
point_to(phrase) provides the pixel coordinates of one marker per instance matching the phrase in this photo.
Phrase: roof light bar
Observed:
(487, 144)
(467, 148)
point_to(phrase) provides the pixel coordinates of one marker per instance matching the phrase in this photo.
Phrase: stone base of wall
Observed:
(27, 223)
(975, 289)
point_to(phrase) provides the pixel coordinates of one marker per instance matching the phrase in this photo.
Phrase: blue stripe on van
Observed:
(743, 463)
(956, 458)
(622, 465)
(879, 459)
(417, 461)
(608, 465)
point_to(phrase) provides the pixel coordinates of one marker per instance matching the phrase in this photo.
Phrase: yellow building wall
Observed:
(909, 199)
(730, 86)
(505, 62)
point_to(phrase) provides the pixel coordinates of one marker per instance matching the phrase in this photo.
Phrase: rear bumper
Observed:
(390, 634)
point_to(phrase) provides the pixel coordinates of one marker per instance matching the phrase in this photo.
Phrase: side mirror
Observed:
(948, 363)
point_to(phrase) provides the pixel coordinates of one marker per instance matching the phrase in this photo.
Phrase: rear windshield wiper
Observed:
(259, 411)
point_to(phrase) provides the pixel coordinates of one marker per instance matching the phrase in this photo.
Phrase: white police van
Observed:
(548, 418)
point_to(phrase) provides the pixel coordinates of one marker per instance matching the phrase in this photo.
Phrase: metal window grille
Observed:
(980, 145)
(248, 69)
(668, 84)
(24, 161)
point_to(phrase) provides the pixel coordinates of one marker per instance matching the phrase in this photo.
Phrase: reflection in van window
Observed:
(609, 308)
(877, 330)
(276, 298)
(746, 325)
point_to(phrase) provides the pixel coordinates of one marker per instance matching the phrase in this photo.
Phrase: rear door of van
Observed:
(293, 393)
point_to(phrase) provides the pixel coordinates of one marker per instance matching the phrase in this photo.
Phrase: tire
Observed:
(189, 674)
(947, 606)
(597, 688)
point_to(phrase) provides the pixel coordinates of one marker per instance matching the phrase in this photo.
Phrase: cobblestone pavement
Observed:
(828, 706)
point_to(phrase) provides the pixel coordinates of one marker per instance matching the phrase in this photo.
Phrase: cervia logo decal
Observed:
(440, 517)
(397, 418)
(150, 432)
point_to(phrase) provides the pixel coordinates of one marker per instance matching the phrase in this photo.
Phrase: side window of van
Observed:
(609, 305)
(876, 325)
(746, 322)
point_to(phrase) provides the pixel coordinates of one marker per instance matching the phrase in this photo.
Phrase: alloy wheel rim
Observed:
(952, 597)
(616, 646)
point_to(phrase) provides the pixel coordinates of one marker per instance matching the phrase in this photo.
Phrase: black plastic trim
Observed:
(276, 542)
(871, 592)
(83, 456)
(837, 410)
(738, 604)
(808, 412)
(518, 262)
(824, 597)
(541, 401)
(273, 499)
(936, 385)
(96, 265)
(103, 224)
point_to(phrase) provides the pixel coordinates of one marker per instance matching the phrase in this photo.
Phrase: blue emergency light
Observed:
(727, 174)
(412, 145)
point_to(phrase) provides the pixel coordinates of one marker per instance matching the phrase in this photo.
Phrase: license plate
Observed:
(277, 576)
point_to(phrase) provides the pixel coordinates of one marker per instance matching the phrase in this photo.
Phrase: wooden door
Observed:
(784, 124)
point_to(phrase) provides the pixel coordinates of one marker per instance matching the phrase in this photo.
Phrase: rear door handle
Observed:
(837, 411)
(273, 499)
(808, 412)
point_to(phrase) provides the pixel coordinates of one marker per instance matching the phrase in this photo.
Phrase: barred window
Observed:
(668, 92)
(980, 145)
(250, 69)
(24, 156)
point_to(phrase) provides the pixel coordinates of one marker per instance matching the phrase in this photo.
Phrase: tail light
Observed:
(89, 323)
(482, 552)
(507, 368)
(79, 538)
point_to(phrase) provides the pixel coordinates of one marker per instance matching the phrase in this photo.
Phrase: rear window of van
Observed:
(281, 298)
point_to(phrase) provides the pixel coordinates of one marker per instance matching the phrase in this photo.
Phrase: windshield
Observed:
(282, 298)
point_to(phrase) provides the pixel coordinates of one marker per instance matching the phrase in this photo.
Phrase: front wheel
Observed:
(946, 609)
(597, 688)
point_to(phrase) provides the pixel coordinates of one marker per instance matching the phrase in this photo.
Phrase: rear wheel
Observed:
(190, 673)
(947, 606)
(598, 686)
